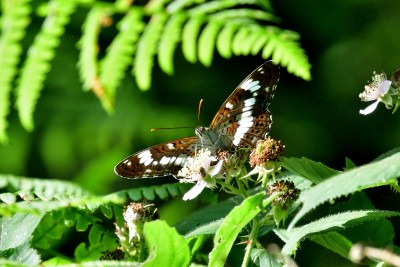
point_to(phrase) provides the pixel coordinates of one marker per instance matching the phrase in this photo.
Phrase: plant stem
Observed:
(252, 240)
(141, 256)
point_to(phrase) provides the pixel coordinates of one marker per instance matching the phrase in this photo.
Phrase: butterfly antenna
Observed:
(172, 128)
(198, 110)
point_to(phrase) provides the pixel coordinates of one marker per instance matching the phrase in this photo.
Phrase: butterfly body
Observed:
(212, 139)
(241, 121)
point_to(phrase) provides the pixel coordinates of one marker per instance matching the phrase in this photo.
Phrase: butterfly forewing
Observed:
(241, 121)
(244, 115)
(161, 160)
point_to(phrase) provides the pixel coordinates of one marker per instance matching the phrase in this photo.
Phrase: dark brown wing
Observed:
(161, 160)
(244, 116)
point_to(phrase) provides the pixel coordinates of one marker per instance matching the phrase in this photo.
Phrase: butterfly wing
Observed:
(244, 117)
(161, 160)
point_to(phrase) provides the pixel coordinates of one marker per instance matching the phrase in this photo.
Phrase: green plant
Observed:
(258, 221)
(233, 27)
(37, 214)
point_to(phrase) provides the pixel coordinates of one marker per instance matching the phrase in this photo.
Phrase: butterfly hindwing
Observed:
(244, 116)
(161, 160)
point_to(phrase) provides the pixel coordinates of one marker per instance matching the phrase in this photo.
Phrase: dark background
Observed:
(74, 138)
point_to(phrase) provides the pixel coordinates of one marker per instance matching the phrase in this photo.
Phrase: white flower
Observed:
(377, 90)
(199, 169)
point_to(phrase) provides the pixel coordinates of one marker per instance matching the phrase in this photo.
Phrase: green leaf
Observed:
(382, 231)
(89, 45)
(207, 42)
(236, 220)
(169, 40)
(205, 229)
(14, 21)
(375, 174)
(334, 242)
(314, 171)
(97, 263)
(224, 39)
(206, 217)
(147, 48)
(52, 227)
(293, 236)
(8, 198)
(189, 38)
(166, 246)
(262, 257)
(17, 230)
(120, 52)
(23, 254)
(107, 211)
(37, 63)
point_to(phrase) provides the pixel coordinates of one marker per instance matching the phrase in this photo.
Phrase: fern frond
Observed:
(244, 13)
(189, 38)
(47, 189)
(88, 62)
(207, 42)
(14, 20)
(88, 68)
(37, 64)
(179, 5)
(285, 50)
(54, 224)
(119, 53)
(233, 27)
(147, 48)
(168, 42)
(214, 6)
(44, 195)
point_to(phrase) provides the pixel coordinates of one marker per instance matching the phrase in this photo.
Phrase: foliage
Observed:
(234, 27)
(50, 222)
(33, 226)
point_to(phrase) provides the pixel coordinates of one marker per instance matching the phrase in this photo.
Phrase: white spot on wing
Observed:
(180, 159)
(229, 105)
(251, 85)
(246, 114)
(170, 146)
(245, 85)
(144, 156)
(148, 161)
(245, 123)
(249, 102)
(165, 160)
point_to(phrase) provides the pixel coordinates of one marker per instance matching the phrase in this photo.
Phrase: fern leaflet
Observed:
(15, 19)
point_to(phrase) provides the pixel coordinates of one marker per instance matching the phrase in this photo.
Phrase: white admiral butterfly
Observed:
(241, 121)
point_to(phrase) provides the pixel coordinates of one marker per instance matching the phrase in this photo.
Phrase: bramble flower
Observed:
(377, 90)
(202, 169)
(131, 233)
(135, 215)
(234, 162)
(280, 206)
(265, 158)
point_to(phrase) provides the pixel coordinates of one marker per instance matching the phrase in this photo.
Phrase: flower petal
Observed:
(384, 87)
(216, 169)
(370, 108)
(195, 190)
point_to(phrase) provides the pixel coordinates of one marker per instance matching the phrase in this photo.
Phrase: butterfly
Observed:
(241, 121)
